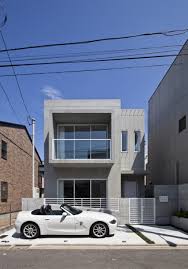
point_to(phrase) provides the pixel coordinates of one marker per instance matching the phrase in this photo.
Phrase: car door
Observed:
(56, 224)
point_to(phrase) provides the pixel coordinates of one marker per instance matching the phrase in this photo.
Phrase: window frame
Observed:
(3, 151)
(122, 141)
(2, 199)
(137, 131)
(87, 179)
(185, 124)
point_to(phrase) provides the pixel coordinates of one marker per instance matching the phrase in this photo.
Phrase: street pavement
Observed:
(93, 259)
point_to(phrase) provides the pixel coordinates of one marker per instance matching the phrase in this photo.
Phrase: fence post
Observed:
(10, 219)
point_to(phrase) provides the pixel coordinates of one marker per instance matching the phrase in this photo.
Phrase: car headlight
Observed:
(113, 221)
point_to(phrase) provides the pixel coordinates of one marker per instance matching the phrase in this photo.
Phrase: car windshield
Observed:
(71, 209)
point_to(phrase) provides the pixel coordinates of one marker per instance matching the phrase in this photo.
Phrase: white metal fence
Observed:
(95, 203)
(142, 211)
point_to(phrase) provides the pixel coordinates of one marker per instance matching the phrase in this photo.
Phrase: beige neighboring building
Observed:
(16, 166)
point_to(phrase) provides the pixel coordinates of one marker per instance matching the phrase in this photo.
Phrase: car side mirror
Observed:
(64, 214)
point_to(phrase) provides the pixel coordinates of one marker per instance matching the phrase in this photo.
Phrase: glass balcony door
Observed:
(82, 142)
(82, 188)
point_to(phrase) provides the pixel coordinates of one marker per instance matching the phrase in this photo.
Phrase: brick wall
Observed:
(17, 169)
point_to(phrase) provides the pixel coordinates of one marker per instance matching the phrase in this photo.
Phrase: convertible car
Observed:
(67, 220)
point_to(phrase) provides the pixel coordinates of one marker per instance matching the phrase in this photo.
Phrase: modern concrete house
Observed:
(93, 149)
(168, 127)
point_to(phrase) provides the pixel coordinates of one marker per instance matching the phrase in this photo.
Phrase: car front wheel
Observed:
(30, 230)
(99, 230)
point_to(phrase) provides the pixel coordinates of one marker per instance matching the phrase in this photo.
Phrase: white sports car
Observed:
(67, 220)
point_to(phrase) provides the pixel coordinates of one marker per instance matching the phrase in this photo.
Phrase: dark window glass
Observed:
(68, 188)
(99, 132)
(100, 149)
(82, 149)
(4, 150)
(98, 189)
(82, 189)
(182, 124)
(82, 132)
(66, 132)
(124, 141)
(4, 191)
(137, 135)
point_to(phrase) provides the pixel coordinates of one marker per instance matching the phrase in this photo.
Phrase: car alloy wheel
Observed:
(99, 230)
(30, 230)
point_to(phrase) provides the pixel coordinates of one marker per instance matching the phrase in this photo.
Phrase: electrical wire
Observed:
(87, 70)
(168, 33)
(9, 102)
(19, 88)
(93, 60)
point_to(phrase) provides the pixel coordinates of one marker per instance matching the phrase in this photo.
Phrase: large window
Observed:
(4, 150)
(137, 140)
(87, 141)
(82, 188)
(182, 124)
(124, 141)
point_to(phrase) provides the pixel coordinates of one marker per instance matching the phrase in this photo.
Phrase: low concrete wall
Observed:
(31, 203)
(164, 210)
(183, 197)
(181, 223)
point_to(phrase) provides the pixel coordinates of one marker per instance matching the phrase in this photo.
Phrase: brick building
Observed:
(16, 166)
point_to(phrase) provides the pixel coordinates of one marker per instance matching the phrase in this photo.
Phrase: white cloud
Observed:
(51, 92)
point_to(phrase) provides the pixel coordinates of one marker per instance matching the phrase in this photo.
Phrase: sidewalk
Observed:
(163, 235)
(122, 237)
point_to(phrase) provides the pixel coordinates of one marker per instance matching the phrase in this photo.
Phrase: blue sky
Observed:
(46, 21)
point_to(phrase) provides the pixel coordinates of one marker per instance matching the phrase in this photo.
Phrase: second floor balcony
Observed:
(82, 142)
(81, 149)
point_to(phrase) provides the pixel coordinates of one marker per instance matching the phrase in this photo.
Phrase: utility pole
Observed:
(33, 157)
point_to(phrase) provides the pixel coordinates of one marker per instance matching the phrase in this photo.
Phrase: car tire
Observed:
(99, 230)
(30, 230)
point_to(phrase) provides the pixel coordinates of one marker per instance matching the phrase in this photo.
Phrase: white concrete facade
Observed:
(118, 167)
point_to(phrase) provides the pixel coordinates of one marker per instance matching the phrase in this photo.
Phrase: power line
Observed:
(164, 33)
(64, 56)
(93, 60)
(79, 54)
(19, 88)
(9, 102)
(87, 70)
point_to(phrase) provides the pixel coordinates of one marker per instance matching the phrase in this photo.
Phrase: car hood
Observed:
(97, 215)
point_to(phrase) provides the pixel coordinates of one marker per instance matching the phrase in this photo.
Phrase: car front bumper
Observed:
(112, 228)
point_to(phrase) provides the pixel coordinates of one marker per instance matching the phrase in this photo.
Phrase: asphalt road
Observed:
(90, 259)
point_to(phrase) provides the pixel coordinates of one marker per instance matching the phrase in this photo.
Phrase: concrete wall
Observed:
(167, 148)
(133, 120)
(164, 210)
(183, 197)
(111, 170)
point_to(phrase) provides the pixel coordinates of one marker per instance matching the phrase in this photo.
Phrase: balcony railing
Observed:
(81, 149)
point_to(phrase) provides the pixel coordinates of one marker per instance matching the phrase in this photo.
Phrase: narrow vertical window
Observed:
(124, 141)
(137, 140)
(182, 124)
(4, 150)
(4, 191)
